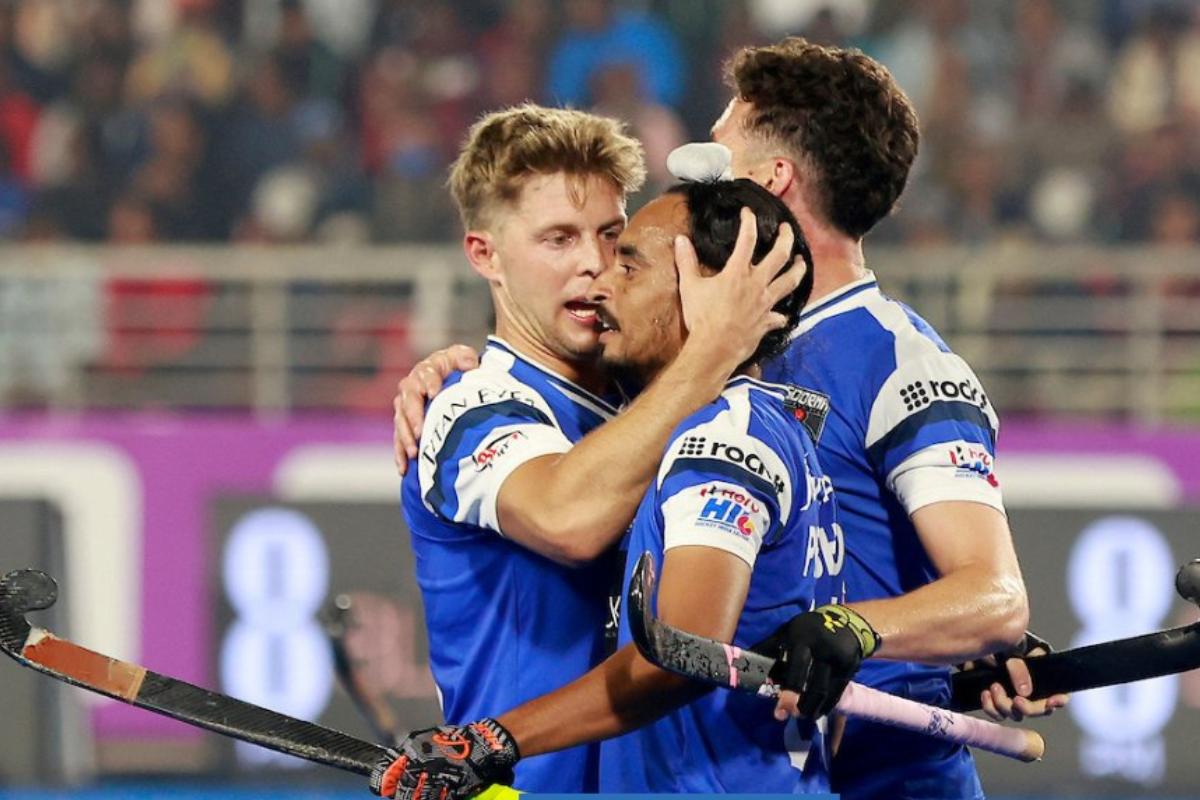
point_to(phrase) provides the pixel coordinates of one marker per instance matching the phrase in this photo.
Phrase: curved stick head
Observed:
(1187, 582)
(22, 591)
(641, 620)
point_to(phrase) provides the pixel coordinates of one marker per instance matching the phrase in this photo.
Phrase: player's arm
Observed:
(978, 605)
(626, 691)
(930, 437)
(572, 506)
(623, 693)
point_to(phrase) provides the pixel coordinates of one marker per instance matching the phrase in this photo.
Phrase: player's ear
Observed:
(480, 248)
(783, 175)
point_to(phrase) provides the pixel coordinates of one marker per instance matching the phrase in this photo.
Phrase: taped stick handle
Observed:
(863, 702)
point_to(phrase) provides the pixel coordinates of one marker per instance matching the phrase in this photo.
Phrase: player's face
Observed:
(640, 308)
(750, 158)
(558, 236)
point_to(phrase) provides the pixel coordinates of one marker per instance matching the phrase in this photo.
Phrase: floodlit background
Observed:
(225, 237)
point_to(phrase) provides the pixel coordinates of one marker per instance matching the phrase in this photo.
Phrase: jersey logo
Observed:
(731, 510)
(810, 409)
(919, 394)
(701, 447)
(437, 429)
(496, 448)
(975, 462)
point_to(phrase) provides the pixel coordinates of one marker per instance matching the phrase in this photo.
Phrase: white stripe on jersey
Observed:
(483, 469)
(918, 358)
(832, 304)
(734, 423)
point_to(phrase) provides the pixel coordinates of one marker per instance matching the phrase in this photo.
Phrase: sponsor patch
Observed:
(439, 427)
(810, 409)
(731, 509)
(973, 462)
(496, 448)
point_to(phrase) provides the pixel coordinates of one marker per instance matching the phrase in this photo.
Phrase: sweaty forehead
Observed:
(653, 229)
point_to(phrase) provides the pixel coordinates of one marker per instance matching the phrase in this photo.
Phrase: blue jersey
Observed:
(739, 475)
(505, 624)
(908, 425)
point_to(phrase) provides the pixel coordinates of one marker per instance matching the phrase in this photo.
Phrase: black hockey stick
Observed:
(29, 590)
(1151, 655)
(729, 666)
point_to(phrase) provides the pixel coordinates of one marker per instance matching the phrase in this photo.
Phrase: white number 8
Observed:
(1119, 577)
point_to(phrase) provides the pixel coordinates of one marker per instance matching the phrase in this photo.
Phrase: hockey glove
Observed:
(452, 762)
(818, 653)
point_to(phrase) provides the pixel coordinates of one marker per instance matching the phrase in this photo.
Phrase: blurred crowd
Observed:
(136, 121)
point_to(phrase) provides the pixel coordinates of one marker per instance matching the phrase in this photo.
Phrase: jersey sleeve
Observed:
(931, 435)
(723, 488)
(475, 435)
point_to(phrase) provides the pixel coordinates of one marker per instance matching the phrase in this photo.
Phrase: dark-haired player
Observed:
(730, 517)
(910, 439)
(514, 499)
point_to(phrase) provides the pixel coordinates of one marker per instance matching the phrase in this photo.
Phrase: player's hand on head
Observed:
(415, 389)
(451, 762)
(997, 703)
(817, 653)
(730, 312)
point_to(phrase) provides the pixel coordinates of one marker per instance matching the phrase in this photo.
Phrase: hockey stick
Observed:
(27, 590)
(1152, 655)
(725, 665)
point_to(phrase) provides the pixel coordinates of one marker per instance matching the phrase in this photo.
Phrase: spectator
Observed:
(193, 60)
(306, 62)
(619, 93)
(596, 35)
(1157, 73)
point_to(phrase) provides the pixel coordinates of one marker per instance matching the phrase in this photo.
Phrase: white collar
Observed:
(852, 295)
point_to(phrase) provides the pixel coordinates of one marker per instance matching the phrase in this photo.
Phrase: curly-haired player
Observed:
(909, 441)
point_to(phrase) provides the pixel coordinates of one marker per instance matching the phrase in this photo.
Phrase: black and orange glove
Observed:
(817, 653)
(452, 762)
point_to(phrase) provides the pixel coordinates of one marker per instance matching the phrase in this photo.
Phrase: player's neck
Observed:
(585, 374)
(837, 258)
(748, 371)
(837, 261)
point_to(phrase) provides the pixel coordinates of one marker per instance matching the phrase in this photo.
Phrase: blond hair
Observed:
(506, 147)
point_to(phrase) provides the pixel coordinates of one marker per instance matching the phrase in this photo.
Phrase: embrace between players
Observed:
(722, 383)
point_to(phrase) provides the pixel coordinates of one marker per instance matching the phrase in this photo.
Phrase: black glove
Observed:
(817, 653)
(452, 762)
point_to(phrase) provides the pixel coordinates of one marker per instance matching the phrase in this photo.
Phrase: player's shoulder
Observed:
(494, 380)
(907, 349)
(489, 391)
(882, 334)
(926, 379)
(741, 402)
(744, 429)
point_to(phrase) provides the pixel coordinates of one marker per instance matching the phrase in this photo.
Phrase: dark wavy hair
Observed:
(840, 112)
(713, 212)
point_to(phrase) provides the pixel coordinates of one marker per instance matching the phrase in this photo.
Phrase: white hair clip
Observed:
(701, 162)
